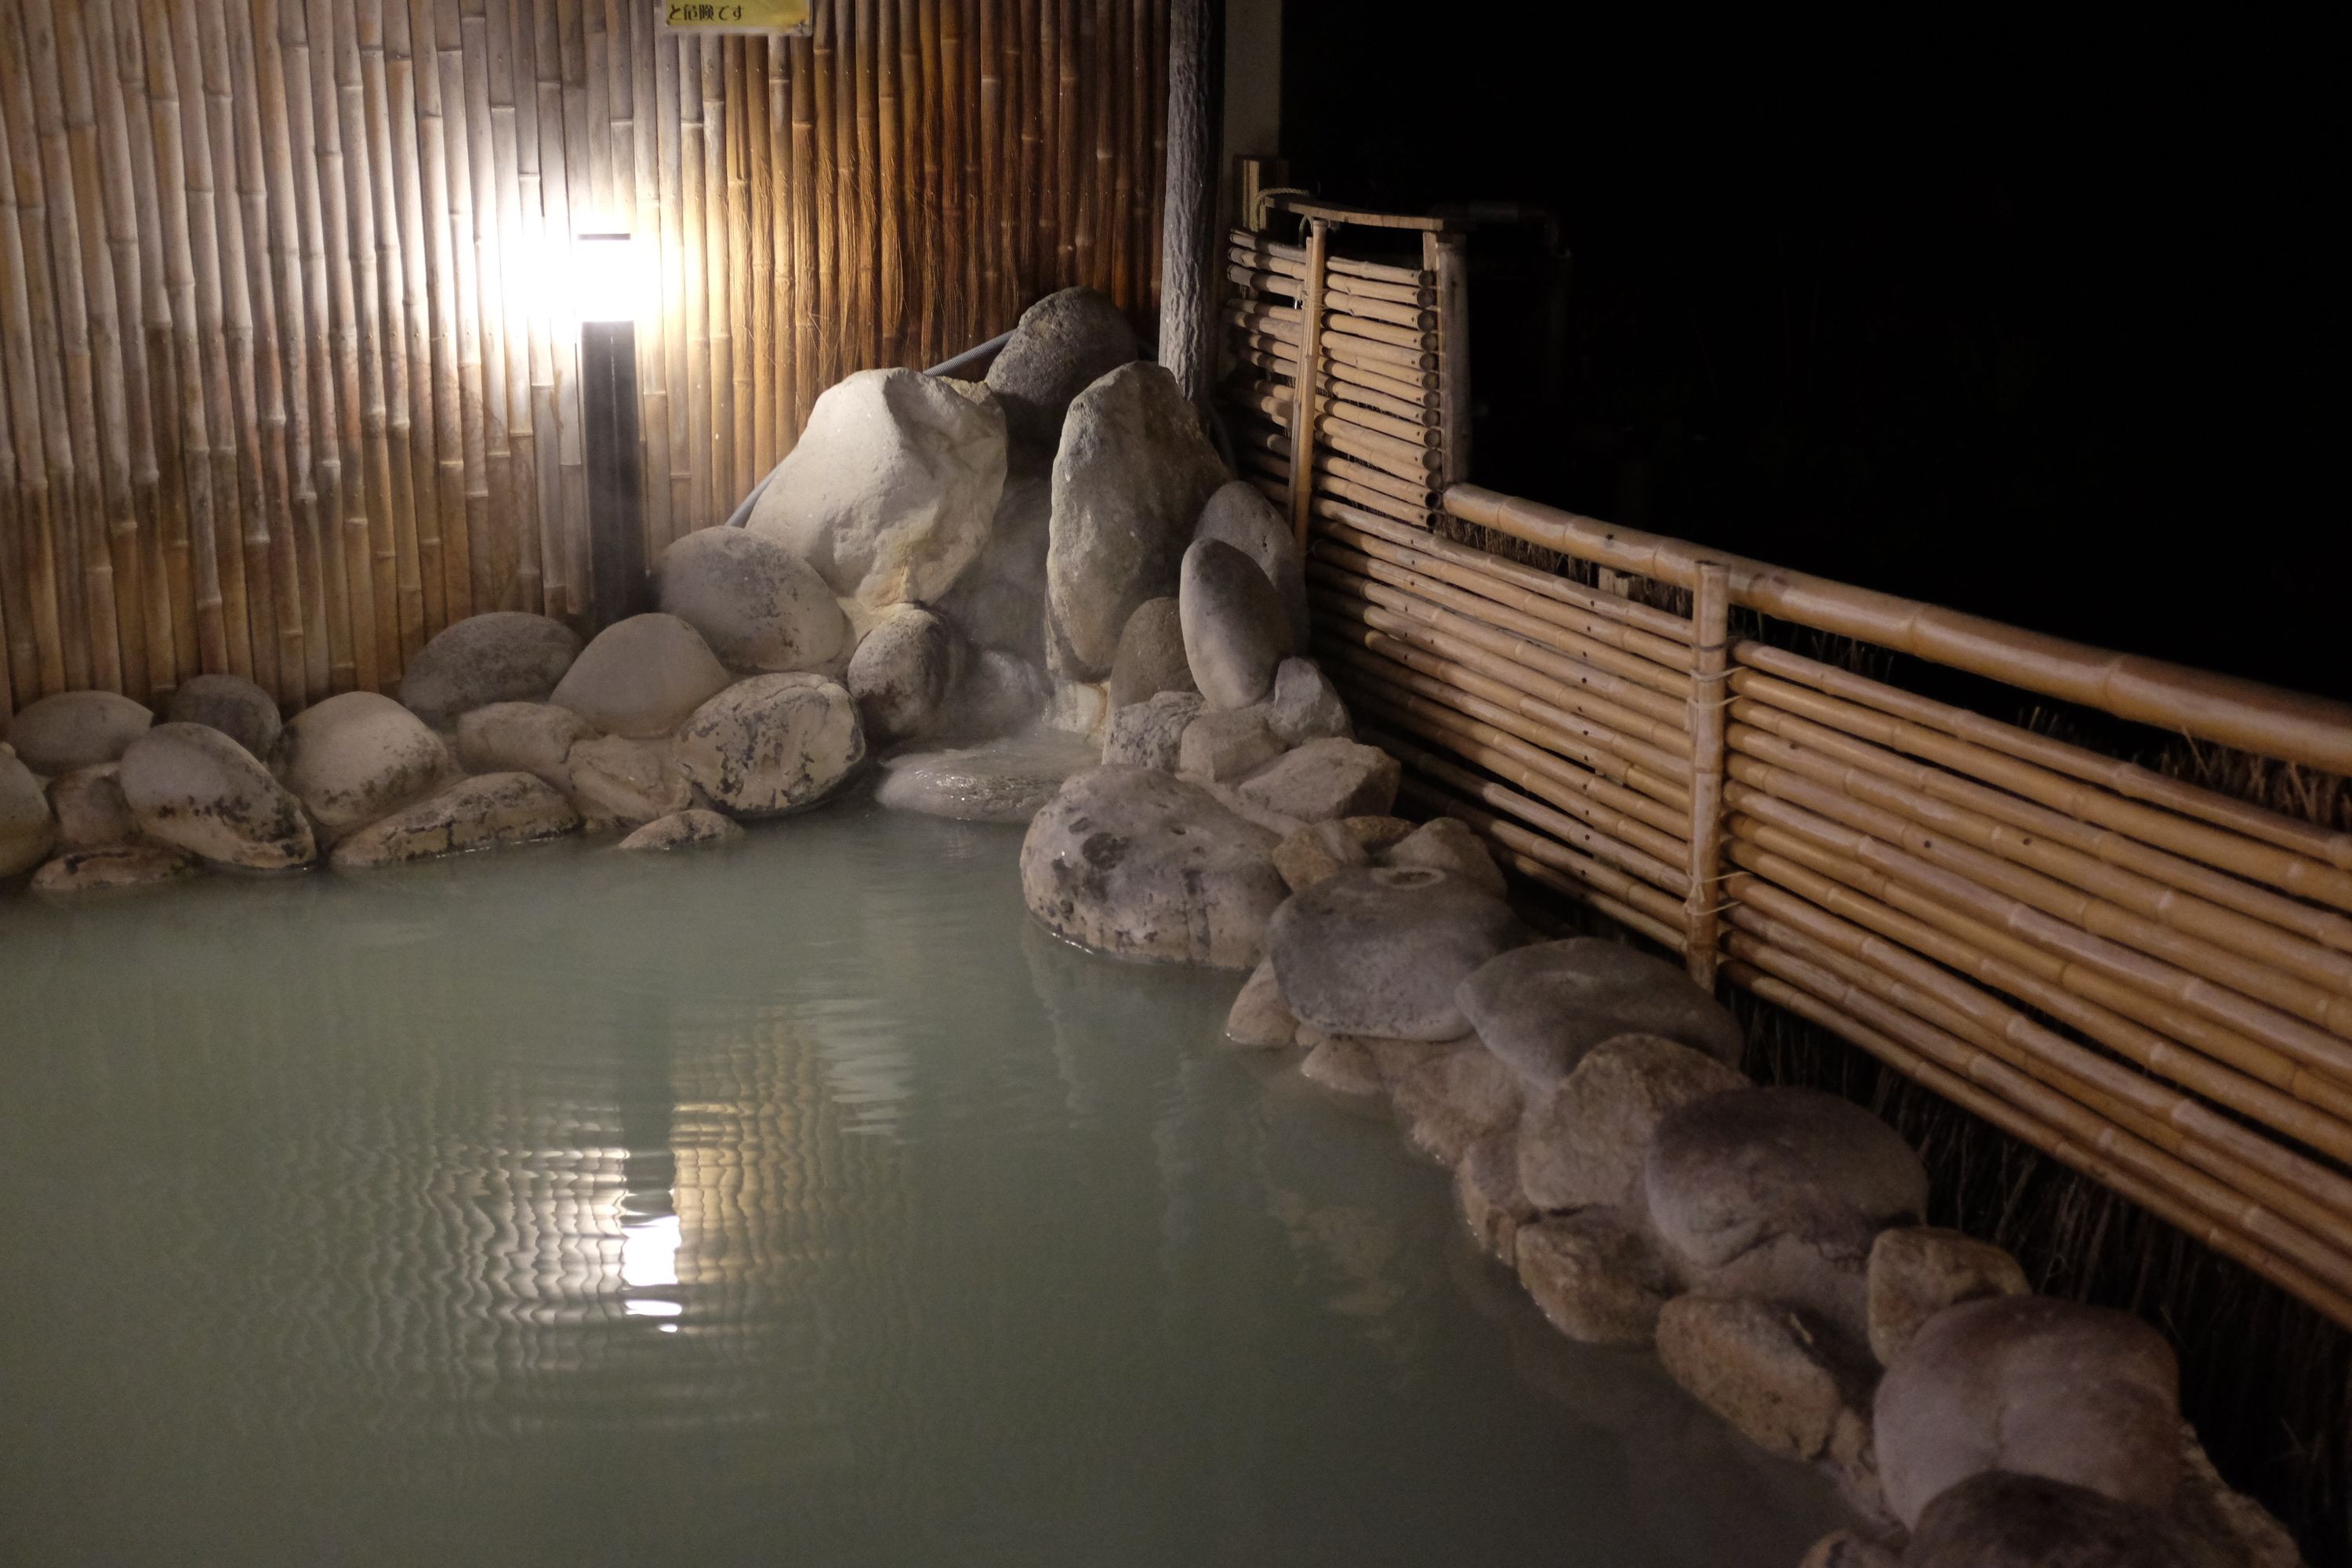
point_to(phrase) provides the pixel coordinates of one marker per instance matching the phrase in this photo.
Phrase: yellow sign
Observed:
(736, 16)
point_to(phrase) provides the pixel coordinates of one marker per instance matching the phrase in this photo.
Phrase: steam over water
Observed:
(800, 1203)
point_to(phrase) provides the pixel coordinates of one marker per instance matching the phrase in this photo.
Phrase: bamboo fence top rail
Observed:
(1363, 217)
(2242, 713)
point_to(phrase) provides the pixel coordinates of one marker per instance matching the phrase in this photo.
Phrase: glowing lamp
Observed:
(607, 282)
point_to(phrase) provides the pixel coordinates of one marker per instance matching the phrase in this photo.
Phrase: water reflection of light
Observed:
(649, 1260)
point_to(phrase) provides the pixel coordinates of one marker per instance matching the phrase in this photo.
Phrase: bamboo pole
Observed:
(413, 400)
(806, 301)
(34, 556)
(694, 236)
(726, 368)
(488, 487)
(1267, 452)
(669, 114)
(759, 206)
(890, 176)
(457, 444)
(361, 74)
(1069, 128)
(1262, 251)
(943, 87)
(1278, 360)
(655, 323)
(1710, 635)
(524, 90)
(514, 485)
(862, 177)
(1302, 423)
(1273, 400)
(16, 621)
(545, 578)
(745, 346)
(1449, 262)
(1624, 898)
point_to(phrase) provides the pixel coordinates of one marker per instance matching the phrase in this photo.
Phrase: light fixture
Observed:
(606, 277)
(607, 288)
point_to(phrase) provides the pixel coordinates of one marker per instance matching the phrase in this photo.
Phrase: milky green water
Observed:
(800, 1204)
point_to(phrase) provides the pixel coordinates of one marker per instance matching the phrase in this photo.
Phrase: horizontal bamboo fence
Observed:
(2146, 980)
(289, 369)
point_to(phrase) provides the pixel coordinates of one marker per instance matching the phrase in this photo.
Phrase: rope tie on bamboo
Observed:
(1258, 212)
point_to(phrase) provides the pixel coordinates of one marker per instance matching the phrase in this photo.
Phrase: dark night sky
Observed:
(2051, 328)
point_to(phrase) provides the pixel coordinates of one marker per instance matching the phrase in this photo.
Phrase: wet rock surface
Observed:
(683, 830)
(486, 812)
(1260, 1018)
(505, 656)
(192, 787)
(1380, 952)
(902, 673)
(1007, 780)
(113, 865)
(772, 744)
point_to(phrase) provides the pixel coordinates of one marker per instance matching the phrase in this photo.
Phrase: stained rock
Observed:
(1007, 780)
(235, 706)
(1327, 778)
(1150, 733)
(89, 807)
(1063, 345)
(1457, 1097)
(505, 656)
(1344, 1064)
(1133, 861)
(1583, 1141)
(1132, 473)
(892, 488)
(683, 830)
(1233, 626)
(70, 730)
(1260, 1017)
(1446, 843)
(193, 788)
(1380, 952)
(27, 831)
(1766, 1370)
(1305, 706)
(1593, 1276)
(771, 744)
(902, 672)
(642, 676)
(1079, 708)
(1916, 1271)
(534, 738)
(1999, 1518)
(1494, 1204)
(112, 866)
(2046, 1388)
(1318, 850)
(1778, 1193)
(1377, 834)
(762, 609)
(1221, 745)
(1240, 515)
(356, 756)
(999, 600)
(1150, 658)
(1540, 1008)
(488, 810)
(627, 782)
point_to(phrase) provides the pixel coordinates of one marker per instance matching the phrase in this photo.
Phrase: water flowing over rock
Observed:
(1240, 515)
(110, 867)
(999, 602)
(88, 805)
(1133, 861)
(1063, 345)
(71, 730)
(890, 492)
(1380, 952)
(237, 707)
(2042, 1387)
(28, 832)
(902, 672)
(683, 830)
(1543, 1007)
(1305, 706)
(628, 782)
(771, 744)
(1584, 1139)
(1324, 779)
(1235, 632)
(193, 788)
(1151, 734)
(761, 608)
(356, 756)
(487, 812)
(1007, 780)
(505, 656)
(641, 676)
(533, 738)
(1150, 659)
(1130, 478)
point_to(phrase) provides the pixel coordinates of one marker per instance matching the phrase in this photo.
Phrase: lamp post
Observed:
(606, 285)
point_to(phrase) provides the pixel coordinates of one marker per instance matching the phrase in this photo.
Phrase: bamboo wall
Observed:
(2146, 980)
(288, 361)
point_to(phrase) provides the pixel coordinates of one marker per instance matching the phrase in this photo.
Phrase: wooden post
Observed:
(1710, 637)
(1187, 271)
(616, 538)
(1448, 257)
(1309, 388)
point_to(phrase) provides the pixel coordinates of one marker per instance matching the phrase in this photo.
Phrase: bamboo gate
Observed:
(291, 376)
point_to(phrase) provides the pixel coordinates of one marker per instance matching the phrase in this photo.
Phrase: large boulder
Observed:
(2000, 1519)
(1543, 1007)
(112, 867)
(1259, 1017)
(1132, 473)
(1460, 1095)
(1327, 778)
(761, 608)
(533, 738)
(999, 602)
(772, 744)
(683, 830)
(1447, 844)
(193, 788)
(1305, 706)
(1593, 1276)
(1778, 1193)
(1005, 780)
(505, 656)
(235, 706)
(1236, 632)
(1222, 744)
(1240, 515)
(1377, 951)
(1063, 345)
(641, 676)
(487, 812)
(1150, 733)
(1318, 850)
(27, 831)
(71, 730)
(892, 488)
(1150, 658)
(1133, 861)
(355, 757)
(902, 672)
(2042, 1387)
(1486, 1187)
(616, 780)
(89, 807)
(1770, 1373)
(1584, 1139)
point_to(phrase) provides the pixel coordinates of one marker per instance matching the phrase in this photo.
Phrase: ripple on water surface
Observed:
(800, 1201)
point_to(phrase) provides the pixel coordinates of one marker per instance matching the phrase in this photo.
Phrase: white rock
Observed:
(1327, 778)
(641, 676)
(1447, 844)
(761, 608)
(1305, 706)
(1224, 744)
(505, 656)
(771, 744)
(70, 730)
(1234, 629)
(1151, 734)
(112, 866)
(1260, 1017)
(89, 807)
(193, 788)
(356, 756)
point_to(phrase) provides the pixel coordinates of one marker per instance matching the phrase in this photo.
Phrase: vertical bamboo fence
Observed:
(2148, 981)
(289, 376)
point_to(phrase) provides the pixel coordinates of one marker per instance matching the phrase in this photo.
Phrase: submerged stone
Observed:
(487, 812)
(27, 830)
(683, 830)
(113, 865)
